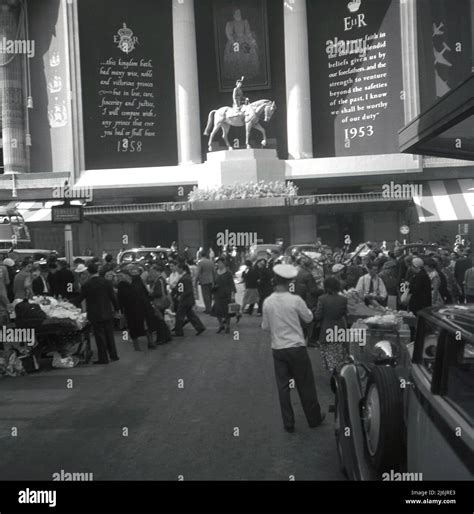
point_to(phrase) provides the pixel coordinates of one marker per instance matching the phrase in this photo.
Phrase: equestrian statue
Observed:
(242, 113)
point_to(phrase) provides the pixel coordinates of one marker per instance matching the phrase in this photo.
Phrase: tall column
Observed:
(303, 228)
(298, 98)
(12, 92)
(186, 79)
(191, 233)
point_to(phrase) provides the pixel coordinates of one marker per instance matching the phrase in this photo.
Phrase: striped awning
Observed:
(37, 212)
(446, 200)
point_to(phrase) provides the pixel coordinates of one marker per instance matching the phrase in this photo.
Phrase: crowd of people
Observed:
(412, 280)
(145, 296)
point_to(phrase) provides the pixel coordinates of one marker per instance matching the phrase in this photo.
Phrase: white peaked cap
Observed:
(285, 271)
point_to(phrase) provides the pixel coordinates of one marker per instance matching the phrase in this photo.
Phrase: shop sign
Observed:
(66, 213)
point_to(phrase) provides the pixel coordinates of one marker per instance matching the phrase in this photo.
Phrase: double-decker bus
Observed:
(13, 230)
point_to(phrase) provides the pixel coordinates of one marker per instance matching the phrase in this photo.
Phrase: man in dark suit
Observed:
(41, 285)
(420, 287)
(64, 279)
(101, 307)
(184, 294)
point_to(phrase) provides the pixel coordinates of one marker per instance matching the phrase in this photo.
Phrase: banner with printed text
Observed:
(128, 83)
(356, 76)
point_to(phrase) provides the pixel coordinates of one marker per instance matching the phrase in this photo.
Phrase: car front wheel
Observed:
(382, 416)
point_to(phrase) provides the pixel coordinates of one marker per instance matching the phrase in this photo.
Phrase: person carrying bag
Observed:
(160, 300)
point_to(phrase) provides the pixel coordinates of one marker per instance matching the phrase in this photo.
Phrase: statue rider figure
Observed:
(238, 96)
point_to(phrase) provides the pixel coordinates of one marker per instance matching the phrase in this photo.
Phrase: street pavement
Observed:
(200, 408)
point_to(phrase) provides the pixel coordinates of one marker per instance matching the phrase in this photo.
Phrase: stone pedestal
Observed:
(228, 167)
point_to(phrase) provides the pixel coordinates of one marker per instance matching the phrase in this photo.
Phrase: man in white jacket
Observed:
(282, 316)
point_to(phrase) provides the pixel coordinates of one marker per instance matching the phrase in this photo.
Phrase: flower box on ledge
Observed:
(243, 203)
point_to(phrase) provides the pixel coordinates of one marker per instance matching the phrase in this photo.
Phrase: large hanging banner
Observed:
(356, 76)
(444, 46)
(128, 86)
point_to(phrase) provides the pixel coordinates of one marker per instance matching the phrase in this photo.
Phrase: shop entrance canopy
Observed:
(445, 130)
(445, 50)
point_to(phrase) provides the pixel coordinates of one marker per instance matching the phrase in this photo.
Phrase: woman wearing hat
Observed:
(134, 303)
(160, 300)
(82, 275)
(224, 291)
(331, 312)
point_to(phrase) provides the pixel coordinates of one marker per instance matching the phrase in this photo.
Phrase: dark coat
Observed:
(184, 292)
(306, 287)
(63, 278)
(265, 287)
(390, 280)
(250, 278)
(331, 312)
(420, 290)
(460, 268)
(38, 286)
(100, 299)
(135, 304)
(223, 288)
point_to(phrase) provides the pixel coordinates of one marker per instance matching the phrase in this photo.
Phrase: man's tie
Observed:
(371, 287)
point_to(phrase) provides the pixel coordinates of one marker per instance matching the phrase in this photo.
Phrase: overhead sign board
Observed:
(66, 214)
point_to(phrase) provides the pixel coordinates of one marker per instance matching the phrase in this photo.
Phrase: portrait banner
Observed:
(241, 43)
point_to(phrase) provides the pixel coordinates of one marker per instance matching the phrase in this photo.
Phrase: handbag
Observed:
(233, 308)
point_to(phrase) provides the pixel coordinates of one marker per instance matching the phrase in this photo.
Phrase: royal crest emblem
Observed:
(55, 85)
(354, 5)
(125, 39)
(54, 60)
(58, 116)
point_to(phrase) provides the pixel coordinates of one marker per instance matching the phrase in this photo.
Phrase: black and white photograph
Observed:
(236, 256)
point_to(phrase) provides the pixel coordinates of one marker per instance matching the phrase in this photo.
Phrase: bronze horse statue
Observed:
(249, 115)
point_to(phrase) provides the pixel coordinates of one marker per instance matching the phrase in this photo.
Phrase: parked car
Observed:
(310, 250)
(138, 254)
(316, 256)
(410, 408)
(421, 248)
(18, 254)
(262, 250)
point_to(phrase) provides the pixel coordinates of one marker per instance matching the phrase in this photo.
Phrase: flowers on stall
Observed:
(61, 310)
(245, 190)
